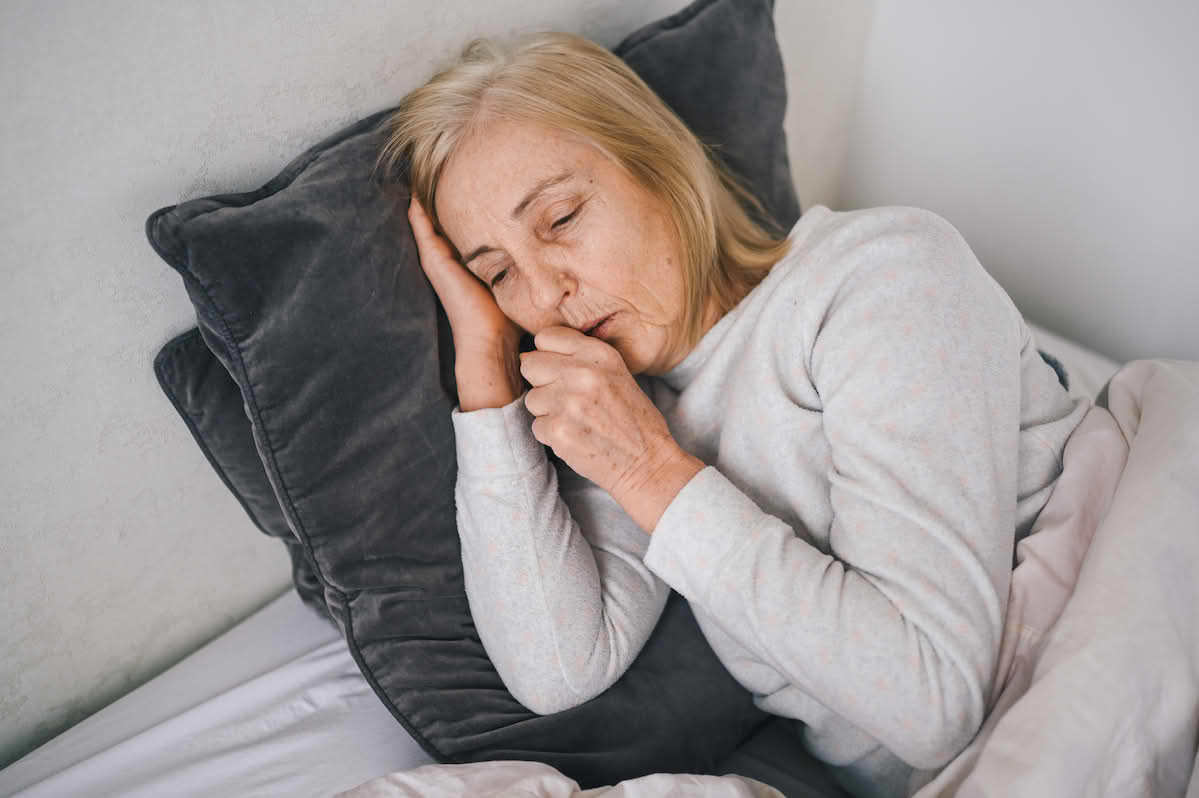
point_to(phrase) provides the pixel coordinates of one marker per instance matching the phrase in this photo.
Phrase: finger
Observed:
(542, 429)
(427, 239)
(585, 349)
(541, 401)
(542, 368)
(564, 340)
(417, 217)
(450, 279)
(416, 210)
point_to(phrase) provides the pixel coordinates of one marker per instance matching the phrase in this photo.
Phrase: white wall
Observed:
(1060, 138)
(121, 550)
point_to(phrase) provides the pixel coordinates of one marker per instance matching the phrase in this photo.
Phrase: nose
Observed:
(551, 284)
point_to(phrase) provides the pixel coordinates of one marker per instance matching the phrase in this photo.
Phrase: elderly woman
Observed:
(827, 442)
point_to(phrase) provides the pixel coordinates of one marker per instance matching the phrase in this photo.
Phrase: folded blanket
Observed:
(1098, 691)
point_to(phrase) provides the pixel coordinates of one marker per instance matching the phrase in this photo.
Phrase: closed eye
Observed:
(565, 219)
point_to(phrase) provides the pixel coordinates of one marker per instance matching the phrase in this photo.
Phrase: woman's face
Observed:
(564, 237)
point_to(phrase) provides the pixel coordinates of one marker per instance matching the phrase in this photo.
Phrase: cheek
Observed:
(513, 305)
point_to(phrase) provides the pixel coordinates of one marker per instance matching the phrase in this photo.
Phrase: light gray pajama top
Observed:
(878, 429)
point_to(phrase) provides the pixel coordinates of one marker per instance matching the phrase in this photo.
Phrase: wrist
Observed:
(487, 375)
(646, 495)
(478, 349)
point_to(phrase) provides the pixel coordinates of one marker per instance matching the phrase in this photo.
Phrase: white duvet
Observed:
(1097, 691)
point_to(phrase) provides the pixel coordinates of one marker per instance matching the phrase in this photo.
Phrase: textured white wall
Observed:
(1060, 138)
(121, 550)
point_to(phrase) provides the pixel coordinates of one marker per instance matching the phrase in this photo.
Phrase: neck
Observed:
(711, 315)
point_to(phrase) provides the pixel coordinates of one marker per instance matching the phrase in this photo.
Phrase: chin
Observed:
(633, 363)
(630, 363)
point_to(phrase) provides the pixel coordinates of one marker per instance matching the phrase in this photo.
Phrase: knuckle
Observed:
(588, 380)
(564, 443)
(574, 405)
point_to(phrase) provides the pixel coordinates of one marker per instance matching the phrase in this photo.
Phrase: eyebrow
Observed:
(542, 186)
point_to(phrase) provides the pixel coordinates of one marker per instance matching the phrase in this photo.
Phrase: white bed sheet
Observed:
(276, 706)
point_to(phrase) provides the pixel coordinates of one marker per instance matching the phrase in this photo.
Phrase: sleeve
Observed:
(897, 627)
(559, 592)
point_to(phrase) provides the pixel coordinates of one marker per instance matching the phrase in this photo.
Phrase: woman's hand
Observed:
(486, 342)
(473, 313)
(595, 417)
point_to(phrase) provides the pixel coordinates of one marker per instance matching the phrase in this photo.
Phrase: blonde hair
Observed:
(566, 82)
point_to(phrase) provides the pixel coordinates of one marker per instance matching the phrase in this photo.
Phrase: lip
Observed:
(598, 326)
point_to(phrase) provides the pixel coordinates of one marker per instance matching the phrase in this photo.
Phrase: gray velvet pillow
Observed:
(309, 294)
(717, 65)
(211, 405)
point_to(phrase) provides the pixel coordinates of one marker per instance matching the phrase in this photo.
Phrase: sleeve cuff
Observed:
(708, 520)
(496, 441)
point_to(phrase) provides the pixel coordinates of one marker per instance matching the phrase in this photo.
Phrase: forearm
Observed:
(561, 613)
(896, 658)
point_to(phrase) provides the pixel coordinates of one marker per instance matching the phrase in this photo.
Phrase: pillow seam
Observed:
(369, 675)
(160, 368)
(235, 350)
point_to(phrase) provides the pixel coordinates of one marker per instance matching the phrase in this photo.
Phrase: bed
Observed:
(277, 706)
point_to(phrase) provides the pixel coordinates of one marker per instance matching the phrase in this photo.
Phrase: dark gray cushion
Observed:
(211, 405)
(309, 294)
(1057, 367)
(717, 65)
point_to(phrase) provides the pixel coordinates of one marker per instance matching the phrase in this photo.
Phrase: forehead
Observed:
(492, 171)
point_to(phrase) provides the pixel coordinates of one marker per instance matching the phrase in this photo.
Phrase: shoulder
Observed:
(880, 272)
(842, 241)
(869, 272)
(895, 252)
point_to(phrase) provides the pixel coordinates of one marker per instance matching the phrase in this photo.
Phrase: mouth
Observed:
(594, 327)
